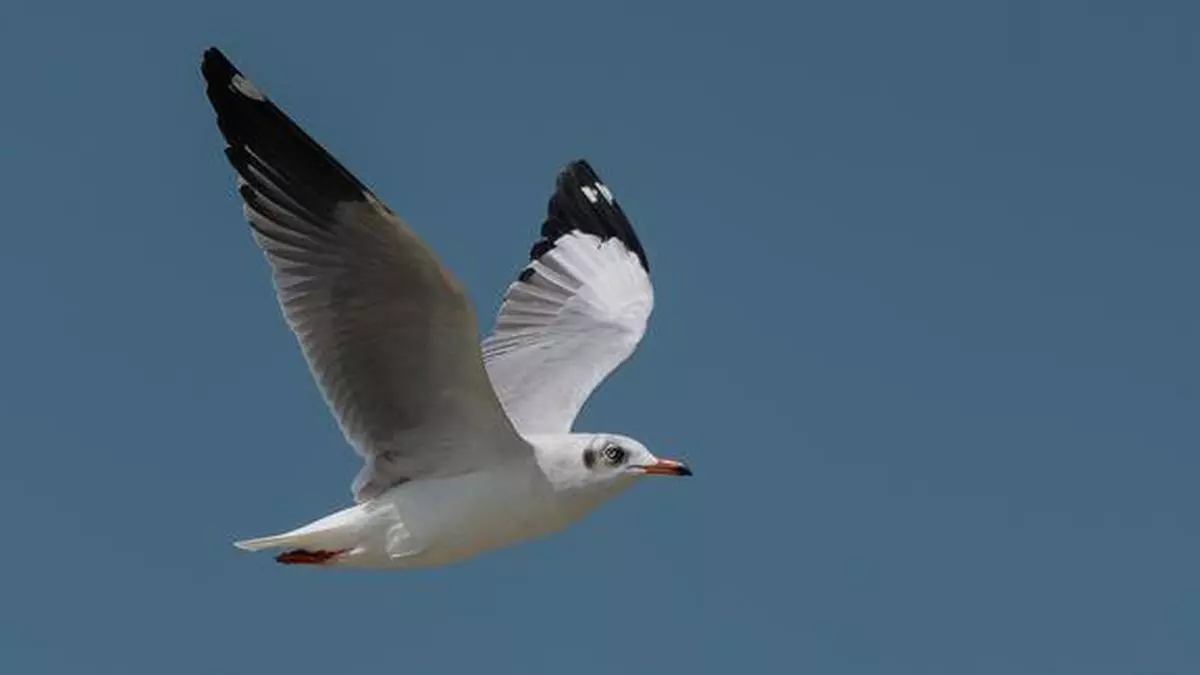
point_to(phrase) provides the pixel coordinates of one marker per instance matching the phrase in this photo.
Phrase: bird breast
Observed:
(444, 519)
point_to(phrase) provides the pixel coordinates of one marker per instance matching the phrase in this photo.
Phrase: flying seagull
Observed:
(466, 447)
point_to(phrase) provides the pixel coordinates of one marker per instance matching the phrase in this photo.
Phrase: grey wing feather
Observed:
(389, 334)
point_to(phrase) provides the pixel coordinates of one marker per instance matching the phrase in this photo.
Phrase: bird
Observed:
(467, 445)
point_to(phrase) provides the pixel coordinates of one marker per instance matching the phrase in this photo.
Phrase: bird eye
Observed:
(614, 455)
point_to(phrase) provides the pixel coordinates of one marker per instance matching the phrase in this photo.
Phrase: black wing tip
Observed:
(225, 81)
(581, 170)
(216, 67)
(215, 55)
(286, 160)
(583, 202)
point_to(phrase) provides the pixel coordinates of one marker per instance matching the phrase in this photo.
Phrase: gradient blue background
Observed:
(926, 329)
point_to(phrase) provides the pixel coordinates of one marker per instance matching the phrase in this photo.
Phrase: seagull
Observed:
(466, 447)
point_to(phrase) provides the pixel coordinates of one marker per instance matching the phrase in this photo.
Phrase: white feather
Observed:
(567, 327)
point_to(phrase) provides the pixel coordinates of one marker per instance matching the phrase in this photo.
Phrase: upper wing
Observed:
(577, 310)
(388, 333)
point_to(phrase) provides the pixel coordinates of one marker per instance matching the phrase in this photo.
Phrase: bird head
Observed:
(600, 460)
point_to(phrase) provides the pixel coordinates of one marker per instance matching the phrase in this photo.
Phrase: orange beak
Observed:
(667, 467)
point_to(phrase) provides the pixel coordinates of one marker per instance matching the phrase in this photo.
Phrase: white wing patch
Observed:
(563, 329)
(246, 88)
(593, 193)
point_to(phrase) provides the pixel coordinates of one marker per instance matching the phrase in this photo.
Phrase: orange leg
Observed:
(301, 556)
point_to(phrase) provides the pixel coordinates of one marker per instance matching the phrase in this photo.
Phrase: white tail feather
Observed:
(334, 531)
(275, 541)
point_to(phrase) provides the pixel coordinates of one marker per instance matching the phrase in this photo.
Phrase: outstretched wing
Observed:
(388, 333)
(577, 310)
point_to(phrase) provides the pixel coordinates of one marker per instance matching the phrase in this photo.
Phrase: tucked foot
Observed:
(302, 556)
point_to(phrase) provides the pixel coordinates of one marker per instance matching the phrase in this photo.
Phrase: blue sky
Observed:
(926, 330)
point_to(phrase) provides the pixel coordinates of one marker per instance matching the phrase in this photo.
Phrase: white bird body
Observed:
(466, 447)
(437, 521)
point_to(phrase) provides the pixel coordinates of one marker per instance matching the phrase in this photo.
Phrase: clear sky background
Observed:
(926, 329)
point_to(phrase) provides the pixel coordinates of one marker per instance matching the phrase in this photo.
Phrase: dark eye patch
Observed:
(589, 458)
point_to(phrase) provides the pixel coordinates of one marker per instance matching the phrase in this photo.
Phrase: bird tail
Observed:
(335, 531)
(273, 541)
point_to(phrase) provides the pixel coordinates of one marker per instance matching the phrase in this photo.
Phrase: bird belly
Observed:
(443, 520)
